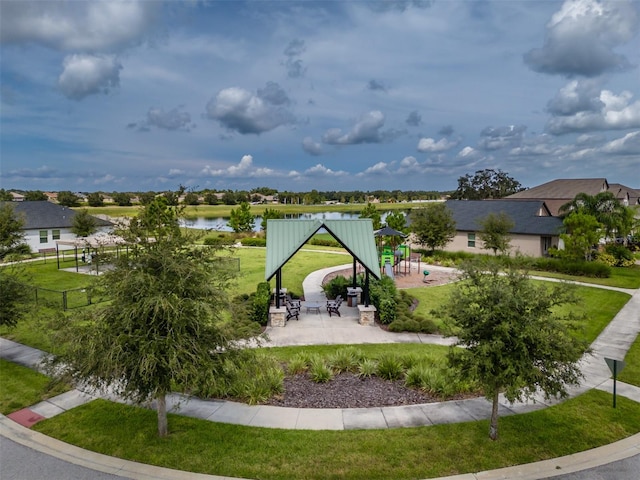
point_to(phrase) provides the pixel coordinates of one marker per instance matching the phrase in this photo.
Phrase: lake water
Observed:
(222, 223)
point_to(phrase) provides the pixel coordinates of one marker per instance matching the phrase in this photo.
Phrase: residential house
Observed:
(17, 197)
(627, 196)
(46, 222)
(535, 230)
(559, 192)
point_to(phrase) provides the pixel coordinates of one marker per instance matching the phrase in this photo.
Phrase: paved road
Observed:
(627, 469)
(18, 462)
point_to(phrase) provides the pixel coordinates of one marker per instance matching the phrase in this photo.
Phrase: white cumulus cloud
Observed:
(431, 146)
(84, 75)
(99, 25)
(581, 38)
(245, 112)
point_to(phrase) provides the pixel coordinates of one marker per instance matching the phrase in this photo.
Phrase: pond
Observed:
(222, 223)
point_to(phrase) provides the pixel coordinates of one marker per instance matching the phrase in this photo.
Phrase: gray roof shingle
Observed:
(524, 213)
(41, 215)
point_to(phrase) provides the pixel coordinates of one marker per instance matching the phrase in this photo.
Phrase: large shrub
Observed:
(568, 267)
(260, 303)
(384, 296)
(338, 286)
(623, 257)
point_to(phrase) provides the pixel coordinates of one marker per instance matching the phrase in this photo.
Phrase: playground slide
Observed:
(388, 269)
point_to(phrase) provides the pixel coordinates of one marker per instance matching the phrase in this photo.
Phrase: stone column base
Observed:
(278, 316)
(367, 315)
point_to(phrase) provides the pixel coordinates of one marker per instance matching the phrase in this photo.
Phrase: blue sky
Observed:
(297, 95)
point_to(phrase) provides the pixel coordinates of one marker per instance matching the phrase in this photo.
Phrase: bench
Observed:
(46, 251)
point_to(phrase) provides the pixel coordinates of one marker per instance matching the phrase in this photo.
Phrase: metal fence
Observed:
(67, 299)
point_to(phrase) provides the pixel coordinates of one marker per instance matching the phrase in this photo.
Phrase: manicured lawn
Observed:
(622, 277)
(600, 305)
(406, 453)
(631, 372)
(22, 387)
(253, 261)
(284, 354)
(225, 210)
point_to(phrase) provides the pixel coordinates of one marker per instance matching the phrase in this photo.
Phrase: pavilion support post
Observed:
(278, 286)
(366, 288)
(58, 256)
(354, 283)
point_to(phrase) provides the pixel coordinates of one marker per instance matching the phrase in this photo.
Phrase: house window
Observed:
(471, 240)
(44, 236)
(55, 234)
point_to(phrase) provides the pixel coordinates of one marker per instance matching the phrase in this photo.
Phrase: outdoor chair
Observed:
(332, 303)
(334, 307)
(292, 312)
(294, 303)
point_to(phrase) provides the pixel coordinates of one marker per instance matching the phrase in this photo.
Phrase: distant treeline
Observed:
(223, 197)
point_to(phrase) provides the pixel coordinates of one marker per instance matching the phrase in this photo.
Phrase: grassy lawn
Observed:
(225, 210)
(284, 354)
(22, 387)
(195, 445)
(253, 261)
(621, 277)
(631, 372)
(600, 305)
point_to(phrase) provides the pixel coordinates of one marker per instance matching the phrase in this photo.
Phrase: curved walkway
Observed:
(314, 328)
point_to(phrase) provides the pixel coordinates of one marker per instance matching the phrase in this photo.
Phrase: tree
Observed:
(433, 225)
(83, 224)
(35, 196)
(191, 198)
(241, 219)
(210, 198)
(11, 230)
(495, 232)
(147, 197)
(485, 184)
(95, 199)
(371, 212)
(582, 233)
(269, 214)
(229, 198)
(397, 221)
(122, 199)
(161, 331)
(68, 199)
(607, 210)
(5, 196)
(514, 339)
(14, 297)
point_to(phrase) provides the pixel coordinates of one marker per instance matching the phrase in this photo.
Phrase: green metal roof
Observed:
(286, 237)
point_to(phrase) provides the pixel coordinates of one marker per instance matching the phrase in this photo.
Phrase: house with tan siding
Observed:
(535, 230)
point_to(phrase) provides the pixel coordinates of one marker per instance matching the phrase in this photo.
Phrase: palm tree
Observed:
(605, 207)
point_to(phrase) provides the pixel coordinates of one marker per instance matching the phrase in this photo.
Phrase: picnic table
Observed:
(313, 307)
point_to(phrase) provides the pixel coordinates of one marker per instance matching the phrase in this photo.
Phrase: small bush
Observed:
(390, 367)
(297, 364)
(337, 286)
(219, 241)
(367, 368)
(345, 359)
(623, 257)
(320, 372)
(324, 242)
(254, 242)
